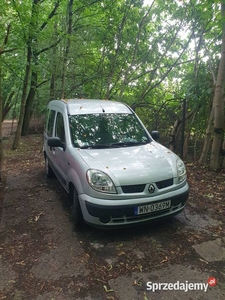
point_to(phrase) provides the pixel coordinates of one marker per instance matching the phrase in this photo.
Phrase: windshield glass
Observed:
(106, 130)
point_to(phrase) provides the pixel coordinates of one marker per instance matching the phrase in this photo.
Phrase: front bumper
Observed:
(109, 213)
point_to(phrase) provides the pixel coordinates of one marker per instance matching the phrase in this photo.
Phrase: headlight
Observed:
(100, 181)
(181, 171)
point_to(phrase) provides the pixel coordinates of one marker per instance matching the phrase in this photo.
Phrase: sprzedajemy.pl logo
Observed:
(181, 286)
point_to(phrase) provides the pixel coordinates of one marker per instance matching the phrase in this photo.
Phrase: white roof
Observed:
(93, 106)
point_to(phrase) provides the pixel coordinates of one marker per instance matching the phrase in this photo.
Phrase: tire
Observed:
(48, 169)
(76, 213)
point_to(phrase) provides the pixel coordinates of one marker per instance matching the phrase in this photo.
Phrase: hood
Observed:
(133, 165)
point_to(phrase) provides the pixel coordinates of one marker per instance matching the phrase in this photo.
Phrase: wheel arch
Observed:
(73, 181)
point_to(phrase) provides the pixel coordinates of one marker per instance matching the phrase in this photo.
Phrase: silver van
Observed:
(114, 171)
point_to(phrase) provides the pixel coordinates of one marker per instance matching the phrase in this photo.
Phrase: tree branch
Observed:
(51, 15)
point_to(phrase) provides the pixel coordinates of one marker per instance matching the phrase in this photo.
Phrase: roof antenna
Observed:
(102, 108)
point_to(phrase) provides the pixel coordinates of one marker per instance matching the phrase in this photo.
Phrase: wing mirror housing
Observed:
(155, 135)
(56, 142)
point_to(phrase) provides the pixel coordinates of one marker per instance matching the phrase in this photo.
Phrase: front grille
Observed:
(164, 183)
(138, 188)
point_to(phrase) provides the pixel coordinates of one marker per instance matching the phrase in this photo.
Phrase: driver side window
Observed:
(50, 122)
(59, 127)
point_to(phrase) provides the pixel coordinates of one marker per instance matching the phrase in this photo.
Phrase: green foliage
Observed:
(151, 57)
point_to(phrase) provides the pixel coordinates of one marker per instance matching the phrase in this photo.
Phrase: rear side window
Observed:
(59, 127)
(46, 119)
(50, 124)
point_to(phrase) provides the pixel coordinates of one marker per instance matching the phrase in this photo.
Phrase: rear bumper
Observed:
(124, 214)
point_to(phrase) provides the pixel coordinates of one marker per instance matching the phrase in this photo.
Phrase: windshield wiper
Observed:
(96, 146)
(114, 145)
(128, 144)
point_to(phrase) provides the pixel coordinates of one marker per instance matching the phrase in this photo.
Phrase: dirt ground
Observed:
(8, 127)
(42, 257)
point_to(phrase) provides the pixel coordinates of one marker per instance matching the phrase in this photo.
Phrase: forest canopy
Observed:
(160, 57)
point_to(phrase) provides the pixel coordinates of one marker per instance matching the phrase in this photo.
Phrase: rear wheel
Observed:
(48, 169)
(76, 213)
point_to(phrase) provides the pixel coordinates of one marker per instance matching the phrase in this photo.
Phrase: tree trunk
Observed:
(209, 130)
(208, 139)
(223, 154)
(173, 135)
(1, 145)
(186, 143)
(23, 99)
(6, 38)
(216, 159)
(52, 94)
(52, 86)
(65, 61)
(7, 105)
(188, 134)
(29, 103)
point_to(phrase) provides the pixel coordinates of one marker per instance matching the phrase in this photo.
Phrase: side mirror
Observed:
(155, 135)
(56, 142)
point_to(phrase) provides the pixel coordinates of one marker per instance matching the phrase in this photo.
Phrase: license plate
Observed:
(145, 209)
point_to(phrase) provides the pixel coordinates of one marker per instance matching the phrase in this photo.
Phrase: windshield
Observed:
(106, 130)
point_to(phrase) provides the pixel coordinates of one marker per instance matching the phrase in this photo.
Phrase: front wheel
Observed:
(76, 213)
(48, 169)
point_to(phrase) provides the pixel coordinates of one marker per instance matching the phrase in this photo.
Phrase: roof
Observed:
(90, 106)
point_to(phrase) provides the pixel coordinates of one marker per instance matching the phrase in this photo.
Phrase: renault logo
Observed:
(151, 189)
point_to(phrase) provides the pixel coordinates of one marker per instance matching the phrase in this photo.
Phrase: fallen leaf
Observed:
(164, 260)
(100, 280)
(203, 260)
(22, 263)
(209, 195)
(38, 217)
(139, 282)
(135, 282)
(42, 286)
(106, 289)
(145, 297)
